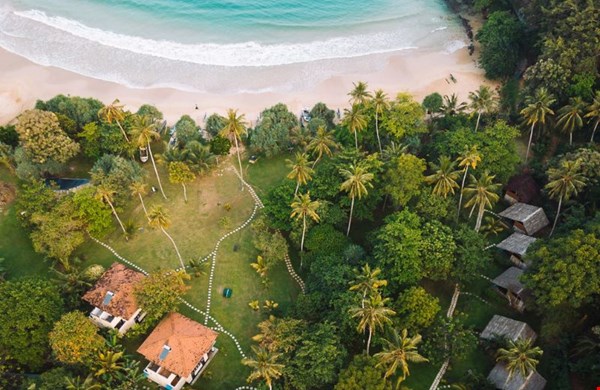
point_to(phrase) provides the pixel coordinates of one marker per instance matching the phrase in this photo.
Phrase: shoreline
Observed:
(418, 72)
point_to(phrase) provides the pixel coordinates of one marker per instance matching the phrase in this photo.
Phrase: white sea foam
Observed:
(453, 46)
(238, 54)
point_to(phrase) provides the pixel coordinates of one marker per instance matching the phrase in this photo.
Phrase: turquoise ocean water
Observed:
(231, 45)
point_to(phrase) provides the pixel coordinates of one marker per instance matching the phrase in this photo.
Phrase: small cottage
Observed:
(526, 218)
(504, 327)
(178, 350)
(115, 306)
(516, 245)
(522, 189)
(500, 377)
(508, 284)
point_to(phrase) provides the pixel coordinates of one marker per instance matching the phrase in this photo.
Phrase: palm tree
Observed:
(398, 352)
(444, 177)
(159, 219)
(367, 281)
(570, 118)
(235, 127)
(301, 170)
(359, 95)
(357, 180)
(302, 207)
(482, 101)
(114, 112)
(469, 158)
(355, 121)
(264, 366)
(451, 105)
(563, 182)
(108, 362)
(482, 194)
(535, 111)
(593, 112)
(380, 104)
(138, 188)
(520, 356)
(372, 315)
(106, 194)
(144, 130)
(261, 266)
(322, 143)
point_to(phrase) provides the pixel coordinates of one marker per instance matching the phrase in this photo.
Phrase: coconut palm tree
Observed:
(359, 95)
(322, 144)
(536, 109)
(451, 105)
(303, 207)
(159, 219)
(356, 183)
(520, 356)
(570, 117)
(564, 182)
(139, 189)
(372, 315)
(301, 170)
(105, 194)
(261, 266)
(355, 120)
(482, 101)
(444, 177)
(367, 281)
(144, 130)
(264, 366)
(381, 104)
(114, 112)
(108, 363)
(482, 194)
(468, 159)
(398, 352)
(235, 128)
(593, 113)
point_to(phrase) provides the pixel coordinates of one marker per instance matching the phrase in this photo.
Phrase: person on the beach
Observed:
(196, 106)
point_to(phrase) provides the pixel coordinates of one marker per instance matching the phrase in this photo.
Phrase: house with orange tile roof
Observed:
(114, 302)
(178, 350)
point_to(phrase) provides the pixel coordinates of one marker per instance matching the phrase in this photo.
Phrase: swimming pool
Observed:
(66, 184)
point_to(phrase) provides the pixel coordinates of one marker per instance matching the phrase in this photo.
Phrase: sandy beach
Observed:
(418, 72)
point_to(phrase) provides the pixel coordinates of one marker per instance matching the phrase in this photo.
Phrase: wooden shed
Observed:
(526, 218)
(500, 326)
(521, 188)
(508, 284)
(500, 377)
(516, 245)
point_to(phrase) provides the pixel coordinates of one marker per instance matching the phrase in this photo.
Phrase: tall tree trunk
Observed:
(316, 161)
(377, 131)
(297, 186)
(556, 218)
(350, 219)
(117, 217)
(303, 233)
(237, 149)
(594, 131)
(369, 340)
(156, 172)
(184, 192)
(570, 138)
(356, 139)
(143, 205)
(122, 130)
(176, 249)
(479, 217)
(462, 187)
(529, 143)
(478, 118)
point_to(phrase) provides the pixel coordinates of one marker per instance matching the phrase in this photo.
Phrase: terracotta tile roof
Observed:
(187, 339)
(119, 280)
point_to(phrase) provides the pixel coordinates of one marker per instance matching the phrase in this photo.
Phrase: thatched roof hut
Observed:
(516, 244)
(526, 218)
(509, 285)
(500, 377)
(521, 188)
(500, 326)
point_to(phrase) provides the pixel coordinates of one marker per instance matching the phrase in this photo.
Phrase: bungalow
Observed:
(501, 378)
(521, 188)
(508, 284)
(526, 218)
(500, 326)
(112, 296)
(178, 349)
(516, 245)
